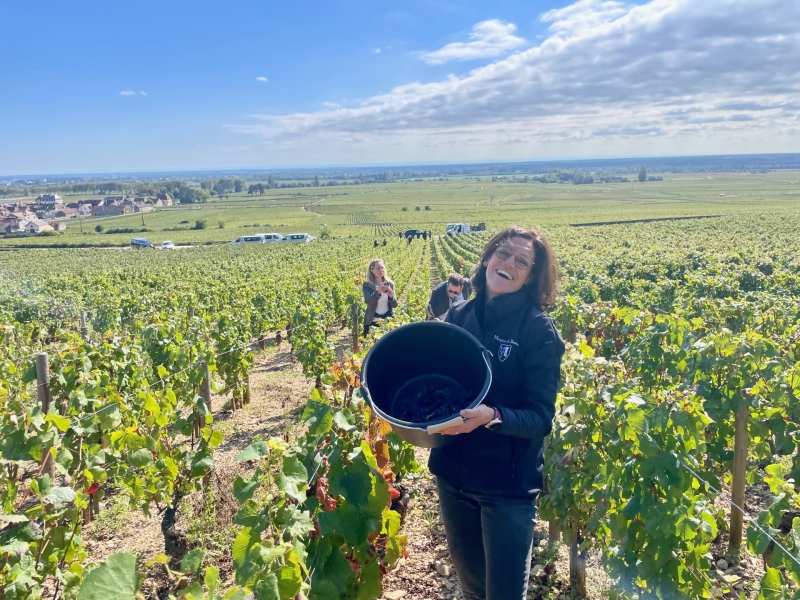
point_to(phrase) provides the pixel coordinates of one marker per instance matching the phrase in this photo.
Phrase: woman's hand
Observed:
(473, 418)
(389, 291)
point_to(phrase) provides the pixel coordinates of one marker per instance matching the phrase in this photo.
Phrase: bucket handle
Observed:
(455, 421)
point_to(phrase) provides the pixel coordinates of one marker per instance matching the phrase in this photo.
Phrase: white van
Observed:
(248, 239)
(271, 237)
(299, 237)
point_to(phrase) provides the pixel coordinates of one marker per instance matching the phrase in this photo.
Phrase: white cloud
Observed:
(142, 93)
(584, 15)
(262, 79)
(489, 38)
(376, 50)
(127, 93)
(669, 76)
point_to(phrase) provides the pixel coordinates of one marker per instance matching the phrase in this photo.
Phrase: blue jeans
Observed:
(490, 540)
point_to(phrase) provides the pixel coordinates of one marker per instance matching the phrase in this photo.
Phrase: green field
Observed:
(358, 210)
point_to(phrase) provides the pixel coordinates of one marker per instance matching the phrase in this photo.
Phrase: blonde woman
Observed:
(378, 293)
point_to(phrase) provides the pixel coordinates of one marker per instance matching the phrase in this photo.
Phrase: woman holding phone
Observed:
(491, 473)
(378, 294)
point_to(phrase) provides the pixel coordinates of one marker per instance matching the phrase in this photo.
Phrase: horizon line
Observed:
(395, 165)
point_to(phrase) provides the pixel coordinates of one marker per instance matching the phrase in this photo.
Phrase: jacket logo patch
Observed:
(504, 351)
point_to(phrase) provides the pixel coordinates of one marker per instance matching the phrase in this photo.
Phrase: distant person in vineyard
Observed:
(378, 294)
(490, 475)
(444, 295)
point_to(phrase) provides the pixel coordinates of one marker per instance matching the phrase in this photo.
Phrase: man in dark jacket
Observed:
(444, 295)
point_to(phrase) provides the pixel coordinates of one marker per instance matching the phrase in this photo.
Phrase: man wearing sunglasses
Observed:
(445, 294)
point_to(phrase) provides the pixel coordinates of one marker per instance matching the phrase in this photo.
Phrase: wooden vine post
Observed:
(246, 398)
(45, 399)
(205, 393)
(84, 328)
(552, 526)
(96, 503)
(740, 444)
(572, 332)
(355, 327)
(577, 562)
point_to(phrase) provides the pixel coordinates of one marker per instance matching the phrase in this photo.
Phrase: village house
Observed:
(84, 210)
(38, 226)
(138, 205)
(19, 210)
(111, 210)
(9, 225)
(162, 199)
(62, 213)
(89, 203)
(113, 200)
(49, 200)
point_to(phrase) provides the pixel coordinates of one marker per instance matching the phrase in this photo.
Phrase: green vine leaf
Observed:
(116, 578)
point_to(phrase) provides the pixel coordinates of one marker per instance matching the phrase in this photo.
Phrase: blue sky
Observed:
(90, 86)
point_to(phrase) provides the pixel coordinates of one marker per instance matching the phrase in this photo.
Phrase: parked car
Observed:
(299, 237)
(413, 233)
(167, 245)
(141, 243)
(271, 237)
(248, 239)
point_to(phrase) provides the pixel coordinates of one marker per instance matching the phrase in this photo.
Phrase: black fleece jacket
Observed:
(526, 363)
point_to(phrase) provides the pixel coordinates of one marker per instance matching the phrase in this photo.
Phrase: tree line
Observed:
(223, 187)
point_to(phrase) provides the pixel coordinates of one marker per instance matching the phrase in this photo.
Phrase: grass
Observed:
(210, 520)
(114, 519)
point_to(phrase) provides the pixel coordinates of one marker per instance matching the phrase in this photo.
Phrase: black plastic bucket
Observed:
(411, 353)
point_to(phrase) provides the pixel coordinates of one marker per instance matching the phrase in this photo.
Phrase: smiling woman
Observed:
(489, 479)
(533, 266)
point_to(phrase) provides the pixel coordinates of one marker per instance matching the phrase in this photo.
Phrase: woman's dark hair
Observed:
(543, 279)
